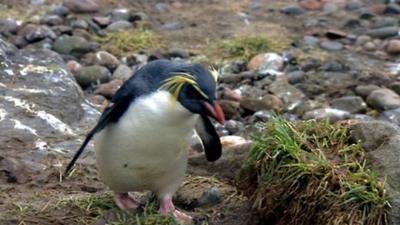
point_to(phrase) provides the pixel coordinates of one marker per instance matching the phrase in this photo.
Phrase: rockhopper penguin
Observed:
(142, 137)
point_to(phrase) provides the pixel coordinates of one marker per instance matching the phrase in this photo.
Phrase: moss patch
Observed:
(311, 173)
(124, 42)
(246, 47)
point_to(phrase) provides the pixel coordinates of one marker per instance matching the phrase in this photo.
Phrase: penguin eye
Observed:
(193, 93)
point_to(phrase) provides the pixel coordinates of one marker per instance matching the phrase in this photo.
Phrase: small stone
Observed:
(59, 10)
(329, 8)
(173, 26)
(121, 14)
(392, 8)
(103, 58)
(292, 10)
(310, 4)
(162, 7)
(365, 90)
(261, 116)
(383, 32)
(335, 34)
(233, 126)
(177, 53)
(123, 73)
(362, 39)
(92, 75)
(108, 89)
(295, 77)
(331, 45)
(393, 47)
(352, 104)
(9, 26)
(268, 102)
(354, 5)
(80, 24)
(395, 87)
(333, 115)
(384, 99)
(102, 21)
(265, 62)
(119, 25)
(74, 66)
(230, 108)
(39, 33)
(385, 22)
(392, 116)
(311, 40)
(82, 6)
(51, 20)
(210, 197)
(377, 8)
(73, 45)
(289, 94)
(369, 46)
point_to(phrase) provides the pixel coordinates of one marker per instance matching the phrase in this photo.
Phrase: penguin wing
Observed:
(210, 139)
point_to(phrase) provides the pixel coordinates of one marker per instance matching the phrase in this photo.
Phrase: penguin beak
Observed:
(214, 111)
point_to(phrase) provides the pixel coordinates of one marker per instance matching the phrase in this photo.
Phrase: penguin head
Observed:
(195, 89)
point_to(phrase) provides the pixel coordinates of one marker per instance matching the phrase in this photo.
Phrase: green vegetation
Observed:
(312, 173)
(246, 47)
(135, 40)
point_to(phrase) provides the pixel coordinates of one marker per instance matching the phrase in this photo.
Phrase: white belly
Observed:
(147, 148)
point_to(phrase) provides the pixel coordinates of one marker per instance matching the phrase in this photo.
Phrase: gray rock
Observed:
(392, 116)
(352, 104)
(161, 7)
(121, 14)
(9, 26)
(384, 99)
(59, 10)
(39, 33)
(295, 76)
(311, 40)
(362, 40)
(261, 116)
(289, 94)
(73, 45)
(385, 22)
(82, 6)
(306, 106)
(92, 75)
(330, 8)
(332, 115)
(123, 72)
(393, 8)
(354, 5)
(80, 24)
(173, 26)
(40, 102)
(231, 108)
(267, 102)
(51, 20)
(331, 45)
(362, 117)
(210, 197)
(119, 25)
(233, 126)
(383, 32)
(293, 10)
(370, 46)
(365, 90)
(102, 58)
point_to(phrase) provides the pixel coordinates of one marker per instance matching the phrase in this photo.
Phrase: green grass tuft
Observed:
(311, 168)
(122, 43)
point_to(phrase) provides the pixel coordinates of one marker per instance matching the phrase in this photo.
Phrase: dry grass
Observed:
(312, 173)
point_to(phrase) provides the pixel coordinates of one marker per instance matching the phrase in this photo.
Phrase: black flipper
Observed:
(209, 137)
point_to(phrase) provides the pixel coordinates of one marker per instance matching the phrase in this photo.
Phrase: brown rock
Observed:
(266, 61)
(311, 4)
(230, 108)
(268, 102)
(74, 66)
(393, 47)
(108, 89)
(378, 8)
(335, 34)
(102, 21)
(82, 6)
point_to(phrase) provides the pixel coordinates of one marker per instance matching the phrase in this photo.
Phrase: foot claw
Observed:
(125, 202)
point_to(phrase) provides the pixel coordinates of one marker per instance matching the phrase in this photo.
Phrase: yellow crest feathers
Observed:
(175, 83)
(214, 72)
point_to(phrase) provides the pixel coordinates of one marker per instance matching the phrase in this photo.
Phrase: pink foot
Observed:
(125, 202)
(167, 207)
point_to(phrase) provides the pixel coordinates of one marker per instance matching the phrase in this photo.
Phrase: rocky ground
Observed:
(60, 62)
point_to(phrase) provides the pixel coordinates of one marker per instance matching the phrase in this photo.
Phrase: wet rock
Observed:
(92, 75)
(82, 6)
(383, 32)
(331, 45)
(108, 89)
(102, 58)
(352, 104)
(123, 73)
(289, 94)
(365, 90)
(231, 108)
(59, 10)
(384, 99)
(267, 102)
(51, 20)
(295, 77)
(73, 45)
(392, 116)
(177, 53)
(173, 26)
(332, 115)
(265, 62)
(393, 47)
(119, 25)
(293, 10)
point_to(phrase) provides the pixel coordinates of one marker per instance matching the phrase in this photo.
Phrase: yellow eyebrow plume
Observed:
(175, 83)
(214, 72)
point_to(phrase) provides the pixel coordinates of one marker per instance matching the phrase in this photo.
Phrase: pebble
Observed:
(59, 10)
(80, 24)
(103, 58)
(121, 14)
(333, 115)
(9, 26)
(82, 6)
(295, 77)
(123, 72)
(108, 89)
(119, 25)
(383, 99)
(231, 108)
(73, 45)
(293, 10)
(92, 75)
(102, 21)
(393, 47)
(369, 46)
(383, 32)
(311, 40)
(331, 45)
(310, 4)
(39, 33)
(265, 62)
(177, 53)
(385, 22)
(233, 126)
(365, 90)
(352, 104)
(210, 197)
(74, 66)
(51, 20)
(392, 116)
(267, 102)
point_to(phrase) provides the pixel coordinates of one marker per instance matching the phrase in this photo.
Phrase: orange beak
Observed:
(215, 112)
